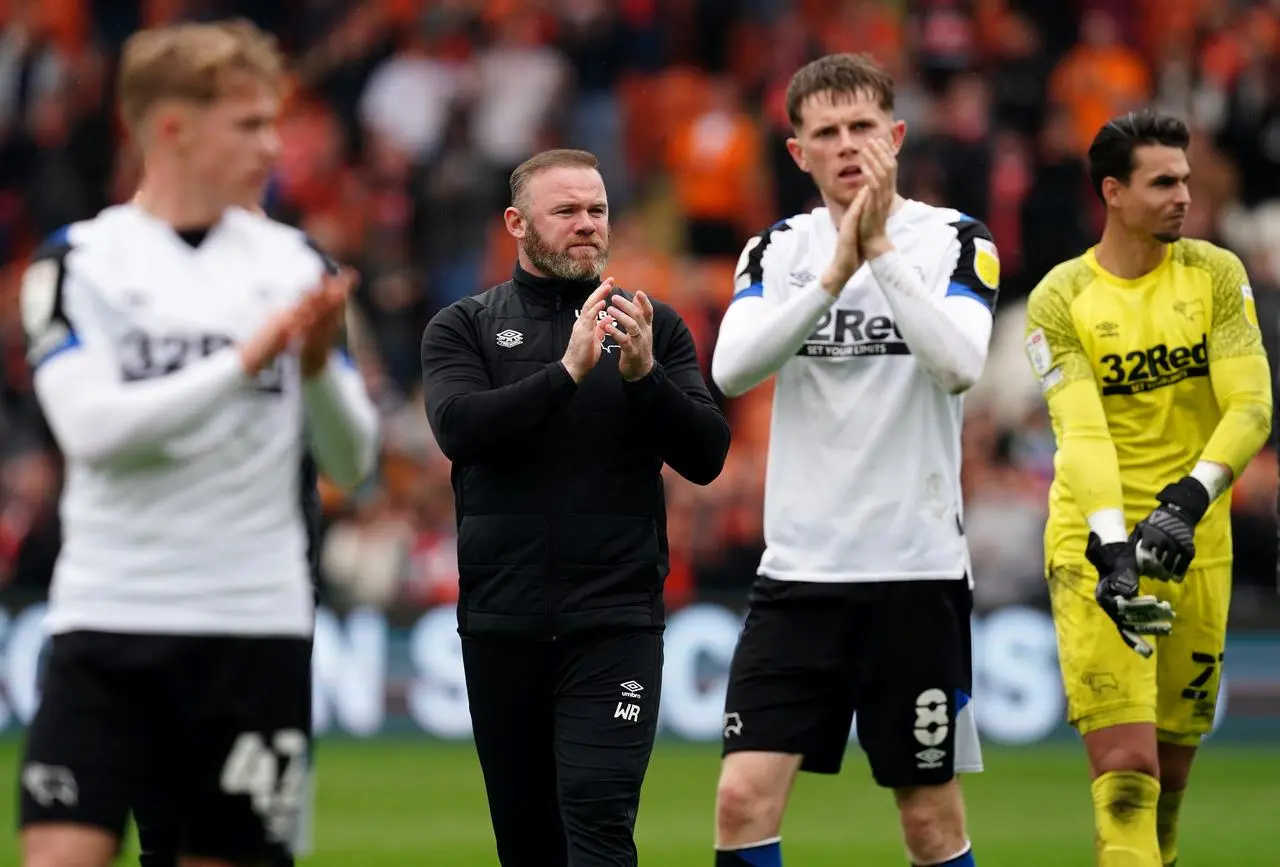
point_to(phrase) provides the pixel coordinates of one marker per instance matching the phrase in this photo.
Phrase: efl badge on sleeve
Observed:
(1039, 352)
(1250, 308)
(986, 263)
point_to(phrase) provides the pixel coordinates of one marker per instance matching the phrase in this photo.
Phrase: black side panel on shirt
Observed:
(977, 271)
(330, 265)
(311, 515)
(44, 320)
(754, 269)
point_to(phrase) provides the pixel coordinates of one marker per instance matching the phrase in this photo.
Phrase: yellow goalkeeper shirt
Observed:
(1143, 378)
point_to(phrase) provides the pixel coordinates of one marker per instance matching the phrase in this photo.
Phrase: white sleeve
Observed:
(763, 326)
(343, 423)
(948, 332)
(96, 414)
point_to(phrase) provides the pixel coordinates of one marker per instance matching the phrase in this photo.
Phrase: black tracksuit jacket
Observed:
(557, 485)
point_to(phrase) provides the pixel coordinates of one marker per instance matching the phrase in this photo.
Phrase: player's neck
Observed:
(1126, 256)
(182, 208)
(837, 210)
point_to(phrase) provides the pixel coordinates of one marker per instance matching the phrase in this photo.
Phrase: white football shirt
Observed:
(181, 510)
(863, 478)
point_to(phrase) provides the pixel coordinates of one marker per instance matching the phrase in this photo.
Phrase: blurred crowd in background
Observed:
(405, 117)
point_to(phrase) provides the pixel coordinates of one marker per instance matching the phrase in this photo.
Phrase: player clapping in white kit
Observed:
(181, 347)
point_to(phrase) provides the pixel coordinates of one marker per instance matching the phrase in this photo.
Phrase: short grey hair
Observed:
(541, 162)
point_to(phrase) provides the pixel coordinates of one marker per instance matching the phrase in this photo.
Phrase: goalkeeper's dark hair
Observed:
(1111, 154)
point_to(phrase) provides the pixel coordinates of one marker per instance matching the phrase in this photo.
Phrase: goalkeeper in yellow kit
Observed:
(1148, 352)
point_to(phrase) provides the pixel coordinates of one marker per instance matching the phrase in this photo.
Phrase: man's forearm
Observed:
(97, 417)
(472, 424)
(1243, 386)
(690, 431)
(1087, 459)
(758, 337)
(343, 423)
(949, 340)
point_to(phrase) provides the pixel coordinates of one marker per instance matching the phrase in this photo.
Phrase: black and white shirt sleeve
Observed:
(98, 415)
(342, 422)
(769, 318)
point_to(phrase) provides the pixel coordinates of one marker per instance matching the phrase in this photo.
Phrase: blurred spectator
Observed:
(1099, 78)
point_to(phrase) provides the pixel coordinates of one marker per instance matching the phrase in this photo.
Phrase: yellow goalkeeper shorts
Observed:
(1108, 684)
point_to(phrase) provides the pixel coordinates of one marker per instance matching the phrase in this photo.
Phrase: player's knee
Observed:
(67, 846)
(1126, 757)
(748, 805)
(932, 820)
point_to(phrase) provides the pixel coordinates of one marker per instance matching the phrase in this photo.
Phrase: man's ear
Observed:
(793, 148)
(515, 222)
(1111, 188)
(899, 133)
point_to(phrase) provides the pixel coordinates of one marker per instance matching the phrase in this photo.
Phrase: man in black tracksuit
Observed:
(559, 399)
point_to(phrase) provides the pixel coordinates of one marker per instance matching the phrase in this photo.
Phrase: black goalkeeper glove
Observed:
(1117, 593)
(1166, 538)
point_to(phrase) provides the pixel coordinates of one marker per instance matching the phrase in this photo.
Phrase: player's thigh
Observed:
(790, 685)
(1106, 683)
(97, 738)
(915, 719)
(1190, 659)
(510, 689)
(246, 746)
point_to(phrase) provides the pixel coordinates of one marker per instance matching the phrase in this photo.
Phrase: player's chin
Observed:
(1167, 237)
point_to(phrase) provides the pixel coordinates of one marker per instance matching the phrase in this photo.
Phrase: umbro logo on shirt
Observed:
(510, 338)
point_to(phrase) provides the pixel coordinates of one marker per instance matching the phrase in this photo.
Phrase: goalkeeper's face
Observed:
(1156, 199)
(830, 143)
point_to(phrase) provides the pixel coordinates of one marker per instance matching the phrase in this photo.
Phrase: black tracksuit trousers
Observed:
(564, 730)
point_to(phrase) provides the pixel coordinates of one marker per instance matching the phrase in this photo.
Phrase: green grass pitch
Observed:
(387, 803)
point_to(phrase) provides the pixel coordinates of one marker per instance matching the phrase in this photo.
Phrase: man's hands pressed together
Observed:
(880, 168)
(631, 327)
(586, 339)
(848, 256)
(629, 323)
(863, 233)
(315, 322)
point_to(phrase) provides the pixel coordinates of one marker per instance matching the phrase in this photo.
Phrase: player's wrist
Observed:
(1188, 495)
(833, 280)
(575, 372)
(1215, 477)
(875, 247)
